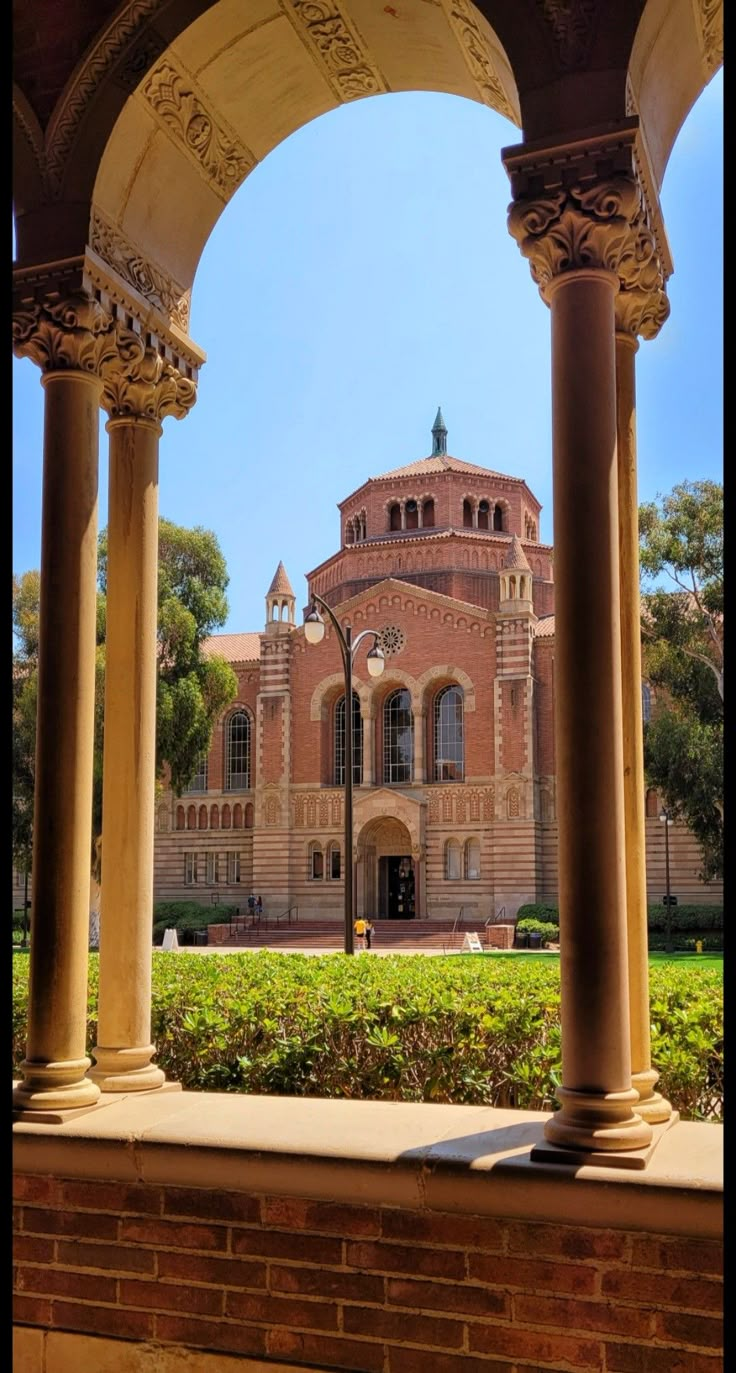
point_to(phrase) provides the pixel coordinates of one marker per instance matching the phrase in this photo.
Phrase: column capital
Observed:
(141, 384)
(588, 204)
(65, 333)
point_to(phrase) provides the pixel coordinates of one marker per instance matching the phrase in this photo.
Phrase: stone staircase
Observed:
(445, 934)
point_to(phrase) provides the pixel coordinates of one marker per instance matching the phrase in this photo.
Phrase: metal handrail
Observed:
(496, 919)
(456, 926)
(288, 915)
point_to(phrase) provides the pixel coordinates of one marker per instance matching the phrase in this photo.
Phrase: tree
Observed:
(681, 540)
(192, 691)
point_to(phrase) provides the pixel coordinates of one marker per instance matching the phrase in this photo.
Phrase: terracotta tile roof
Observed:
(280, 586)
(235, 648)
(545, 628)
(516, 557)
(440, 463)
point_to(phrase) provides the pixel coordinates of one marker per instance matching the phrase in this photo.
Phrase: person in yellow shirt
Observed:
(359, 928)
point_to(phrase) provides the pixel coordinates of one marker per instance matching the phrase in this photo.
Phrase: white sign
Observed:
(171, 940)
(471, 943)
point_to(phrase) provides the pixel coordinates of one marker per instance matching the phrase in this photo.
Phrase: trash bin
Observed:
(521, 939)
(535, 939)
(200, 937)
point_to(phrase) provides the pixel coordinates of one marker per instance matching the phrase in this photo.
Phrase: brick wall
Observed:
(364, 1289)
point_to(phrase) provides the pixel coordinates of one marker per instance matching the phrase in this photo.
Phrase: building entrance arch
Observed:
(389, 889)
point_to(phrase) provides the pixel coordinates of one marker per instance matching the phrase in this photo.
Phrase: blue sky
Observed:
(362, 276)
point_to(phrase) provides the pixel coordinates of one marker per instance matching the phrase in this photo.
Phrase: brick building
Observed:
(454, 768)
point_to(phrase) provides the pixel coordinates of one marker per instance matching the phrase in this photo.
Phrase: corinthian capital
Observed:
(141, 384)
(74, 333)
(600, 224)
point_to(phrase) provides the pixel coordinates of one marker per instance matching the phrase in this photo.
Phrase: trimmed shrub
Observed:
(187, 918)
(550, 933)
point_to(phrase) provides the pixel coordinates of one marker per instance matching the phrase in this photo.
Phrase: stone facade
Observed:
(442, 558)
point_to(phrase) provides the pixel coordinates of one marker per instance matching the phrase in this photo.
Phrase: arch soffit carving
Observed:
(447, 676)
(330, 689)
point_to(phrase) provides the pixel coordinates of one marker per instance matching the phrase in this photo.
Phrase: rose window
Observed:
(392, 640)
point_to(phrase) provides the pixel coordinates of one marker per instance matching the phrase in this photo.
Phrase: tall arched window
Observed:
(237, 762)
(340, 742)
(472, 860)
(398, 737)
(428, 514)
(316, 867)
(448, 735)
(498, 517)
(452, 861)
(394, 517)
(467, 515)
(199, 780)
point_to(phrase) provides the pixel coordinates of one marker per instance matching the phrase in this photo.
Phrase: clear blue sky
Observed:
(362, 276)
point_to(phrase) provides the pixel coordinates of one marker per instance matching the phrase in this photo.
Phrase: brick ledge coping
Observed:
(471, 1159)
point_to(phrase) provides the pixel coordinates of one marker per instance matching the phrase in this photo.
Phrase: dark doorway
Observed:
(397, 882)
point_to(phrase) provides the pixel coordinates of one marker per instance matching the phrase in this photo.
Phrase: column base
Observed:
(126, 1070)
(547, 1152)
(598, 1122)
(55, 1086)
(652, 1106)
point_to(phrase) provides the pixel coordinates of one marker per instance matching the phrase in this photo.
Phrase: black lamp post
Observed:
(314, 629)
(666, 820)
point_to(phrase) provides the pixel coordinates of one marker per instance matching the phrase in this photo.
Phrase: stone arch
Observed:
(327, 691)
(214, 817)
(180, 818)
(202, 818)
(192, 818)
(439, 676)
(226, 817)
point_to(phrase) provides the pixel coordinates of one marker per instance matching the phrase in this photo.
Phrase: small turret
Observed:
(516, 580)
(280, 603)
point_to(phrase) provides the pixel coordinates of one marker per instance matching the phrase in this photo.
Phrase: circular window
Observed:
(392, 640)
(411, 506)
(483, 507)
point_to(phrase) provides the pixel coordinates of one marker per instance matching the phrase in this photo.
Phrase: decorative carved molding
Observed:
(710, 14)
(90, 73)
(478, 58)
(599, 221)
(161, 290)
(183, 111)
(71, 333)
(333, 39)
(138, 59)
(139, 383)
(571, 23)
(27, 122)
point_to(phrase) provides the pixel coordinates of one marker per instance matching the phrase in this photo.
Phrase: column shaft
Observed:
(368, 746)
(55, 1064)
(652, 1106)
(596, 1096)
(124, 1050)
(420, 729)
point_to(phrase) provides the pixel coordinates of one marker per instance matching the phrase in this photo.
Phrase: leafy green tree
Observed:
(681, 544)
(192, 691)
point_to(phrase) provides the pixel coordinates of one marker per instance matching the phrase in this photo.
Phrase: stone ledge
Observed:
(469, 1159)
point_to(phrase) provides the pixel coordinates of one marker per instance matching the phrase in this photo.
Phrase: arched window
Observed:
(316, 870)
(203, 817)
(472, 860)
(215, 818)
(237, 760)
(498, 517)
(334, 870)
(199, 780)
(428, 514)
(412, 515)
(448, 735)
(646, 703)
(340, 742)
(249, 816)
(349, 532)
(226, 817)
(180, 818)
(394, 517)
(192, 818)
(467, 515)
(398, 738)
(452, 861)
(483, 514)
(237, 817)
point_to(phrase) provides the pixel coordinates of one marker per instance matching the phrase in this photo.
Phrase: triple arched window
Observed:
(340, 742)
(237, 752)
(449, 759)
(398, 738)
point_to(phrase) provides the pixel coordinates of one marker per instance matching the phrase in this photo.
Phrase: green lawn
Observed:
(683, 960)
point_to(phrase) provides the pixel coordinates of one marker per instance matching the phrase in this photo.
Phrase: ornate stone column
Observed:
(420, 731)
(368, 749)
(70, 339)
(140, 390)
(578, 215)
(633, 315)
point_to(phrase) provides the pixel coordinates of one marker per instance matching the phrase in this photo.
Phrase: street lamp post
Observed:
(314, 629)
(666, 820)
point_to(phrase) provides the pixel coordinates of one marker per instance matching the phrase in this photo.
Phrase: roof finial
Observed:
(439, 436)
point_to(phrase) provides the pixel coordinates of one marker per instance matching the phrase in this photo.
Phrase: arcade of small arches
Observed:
(410, 513)
(213, 817)
(481, 513)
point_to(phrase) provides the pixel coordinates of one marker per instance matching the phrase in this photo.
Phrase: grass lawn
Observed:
(683, 960)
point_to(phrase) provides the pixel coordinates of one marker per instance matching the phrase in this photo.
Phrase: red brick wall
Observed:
(361, 1288)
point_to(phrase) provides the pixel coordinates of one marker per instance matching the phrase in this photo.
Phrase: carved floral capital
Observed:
(73, 333)
(140, 384)
(600, 225)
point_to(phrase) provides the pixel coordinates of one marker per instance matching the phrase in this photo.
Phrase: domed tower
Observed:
(280, 603)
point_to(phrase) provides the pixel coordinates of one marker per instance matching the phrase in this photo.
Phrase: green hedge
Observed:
(187, 918)
(480, 1031)
(696, 920)
(550, 933)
